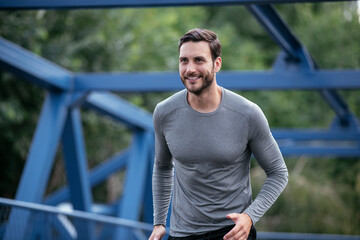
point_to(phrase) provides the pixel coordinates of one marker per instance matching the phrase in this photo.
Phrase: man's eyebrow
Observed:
(196, 57)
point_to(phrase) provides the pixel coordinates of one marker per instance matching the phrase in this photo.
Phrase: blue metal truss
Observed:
(295, 53)
(67, 92)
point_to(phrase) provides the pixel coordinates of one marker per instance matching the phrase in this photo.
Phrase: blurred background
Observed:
(323, 194)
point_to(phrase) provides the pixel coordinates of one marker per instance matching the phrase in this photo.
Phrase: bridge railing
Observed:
(62, 222)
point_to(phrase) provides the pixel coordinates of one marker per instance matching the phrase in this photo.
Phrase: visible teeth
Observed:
(192, 78)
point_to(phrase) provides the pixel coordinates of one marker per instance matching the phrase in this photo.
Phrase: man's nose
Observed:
(190, 67)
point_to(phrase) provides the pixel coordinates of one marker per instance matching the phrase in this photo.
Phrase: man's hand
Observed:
(158, 232)
(242, 227)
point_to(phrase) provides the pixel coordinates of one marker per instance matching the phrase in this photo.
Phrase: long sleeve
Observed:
(163, 174)
(269, 157)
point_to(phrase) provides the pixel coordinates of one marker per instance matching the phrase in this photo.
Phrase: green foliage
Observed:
(18, 117)
(322, 195)
(246, 46)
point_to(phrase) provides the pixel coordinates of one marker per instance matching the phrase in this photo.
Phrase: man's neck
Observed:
(206, 102)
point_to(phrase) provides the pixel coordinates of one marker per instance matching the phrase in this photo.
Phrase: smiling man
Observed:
(208, 134)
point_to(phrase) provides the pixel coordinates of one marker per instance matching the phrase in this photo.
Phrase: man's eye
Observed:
(183, 60)
(199, 60)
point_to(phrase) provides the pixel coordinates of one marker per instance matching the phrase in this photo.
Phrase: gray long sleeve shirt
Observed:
(211, 154)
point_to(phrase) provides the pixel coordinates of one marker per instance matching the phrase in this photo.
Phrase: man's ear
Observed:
(217, 64)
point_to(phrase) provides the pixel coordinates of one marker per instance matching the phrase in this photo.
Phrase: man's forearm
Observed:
(162, 185)
(274, 185)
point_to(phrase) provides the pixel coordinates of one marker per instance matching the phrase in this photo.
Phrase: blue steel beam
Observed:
(352, 124)
(33, 68)
(76, 162)
(68, 4)
(41, 156)
(128, 82)
(114, 164)
(134, 184)
(113, 106)
(148, 200)
(320, 150)
(97, 175)
(281, 34)
(338, 104)
(237, 80)
(352, 134)
(77, 170)
(279, 31)
(48, 75)
(43, 148)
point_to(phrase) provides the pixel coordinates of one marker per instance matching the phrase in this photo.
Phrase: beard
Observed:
(206, 81)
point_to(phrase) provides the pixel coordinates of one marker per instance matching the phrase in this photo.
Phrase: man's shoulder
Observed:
(238, 103)
(171, 103)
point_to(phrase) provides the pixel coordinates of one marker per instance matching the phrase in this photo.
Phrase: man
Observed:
(207, 134)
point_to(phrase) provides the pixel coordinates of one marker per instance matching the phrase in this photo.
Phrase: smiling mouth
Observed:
(192, 79)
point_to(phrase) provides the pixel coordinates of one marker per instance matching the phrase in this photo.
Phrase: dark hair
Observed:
(197, 35)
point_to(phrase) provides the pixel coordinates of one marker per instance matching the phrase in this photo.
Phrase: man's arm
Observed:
(162, 188)
(270, 159)
(162, 181)
(162, 184)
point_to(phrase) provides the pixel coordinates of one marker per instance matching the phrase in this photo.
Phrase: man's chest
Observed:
(212, 138)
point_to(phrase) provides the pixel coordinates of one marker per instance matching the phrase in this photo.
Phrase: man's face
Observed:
(196, 67)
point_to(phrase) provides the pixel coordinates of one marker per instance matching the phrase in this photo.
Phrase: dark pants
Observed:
(215, 235)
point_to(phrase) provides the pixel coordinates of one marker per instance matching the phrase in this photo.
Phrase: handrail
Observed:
(77, 214)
